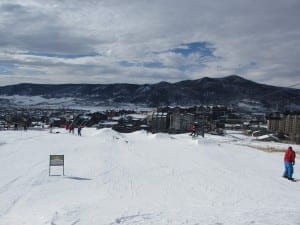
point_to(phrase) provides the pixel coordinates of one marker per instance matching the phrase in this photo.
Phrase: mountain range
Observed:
(231, 90)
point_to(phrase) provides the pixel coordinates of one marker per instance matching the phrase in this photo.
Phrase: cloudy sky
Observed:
(142, 41)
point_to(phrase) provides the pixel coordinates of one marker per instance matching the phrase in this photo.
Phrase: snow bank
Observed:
(142, 178)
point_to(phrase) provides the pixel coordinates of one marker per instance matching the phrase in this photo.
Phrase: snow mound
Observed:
(101, 132)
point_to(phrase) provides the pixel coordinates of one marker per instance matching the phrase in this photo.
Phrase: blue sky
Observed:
(187, 49)
(139, 41)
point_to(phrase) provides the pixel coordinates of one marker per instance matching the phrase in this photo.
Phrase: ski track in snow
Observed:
(142, 178)
(133, 219)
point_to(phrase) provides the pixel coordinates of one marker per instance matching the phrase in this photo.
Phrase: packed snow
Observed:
(143, 178)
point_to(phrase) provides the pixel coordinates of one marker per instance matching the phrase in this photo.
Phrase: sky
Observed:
(141, 41)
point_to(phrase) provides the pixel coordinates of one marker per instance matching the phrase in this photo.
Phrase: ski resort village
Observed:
(162, 166)
(164, 112)
(213, 119)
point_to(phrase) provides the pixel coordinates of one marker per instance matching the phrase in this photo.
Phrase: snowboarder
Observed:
(289, 162)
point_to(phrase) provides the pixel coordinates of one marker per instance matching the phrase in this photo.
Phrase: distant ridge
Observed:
(232, 90)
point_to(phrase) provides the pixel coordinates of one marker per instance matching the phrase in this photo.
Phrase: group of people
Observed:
(71, 129)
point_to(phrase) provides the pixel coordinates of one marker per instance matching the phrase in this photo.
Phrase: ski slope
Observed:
(139, 178)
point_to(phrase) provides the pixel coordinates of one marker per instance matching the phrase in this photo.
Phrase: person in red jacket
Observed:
(289, 162)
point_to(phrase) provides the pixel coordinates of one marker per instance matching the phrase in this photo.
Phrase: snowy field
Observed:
(141, 178)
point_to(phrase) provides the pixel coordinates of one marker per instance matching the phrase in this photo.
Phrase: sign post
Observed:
(57, 160)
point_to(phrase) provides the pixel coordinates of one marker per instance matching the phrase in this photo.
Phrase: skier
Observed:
(289, 162)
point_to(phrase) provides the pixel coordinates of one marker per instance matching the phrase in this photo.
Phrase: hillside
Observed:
(141, 178)
(231, 90)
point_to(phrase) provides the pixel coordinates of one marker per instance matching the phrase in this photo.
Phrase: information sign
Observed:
(57, 160)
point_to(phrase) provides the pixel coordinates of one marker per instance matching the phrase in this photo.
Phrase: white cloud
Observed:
(258, 39)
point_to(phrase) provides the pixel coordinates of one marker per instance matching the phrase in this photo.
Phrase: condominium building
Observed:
(286, 124)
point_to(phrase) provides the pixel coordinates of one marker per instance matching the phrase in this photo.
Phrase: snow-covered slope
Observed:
(141, 178)
(38, 100)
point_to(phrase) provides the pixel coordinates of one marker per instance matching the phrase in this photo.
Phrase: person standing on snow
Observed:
(289, 162)
(194, 130)
(79, 130)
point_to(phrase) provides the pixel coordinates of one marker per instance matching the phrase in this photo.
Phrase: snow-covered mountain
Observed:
(232, 90)
(139, 178)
